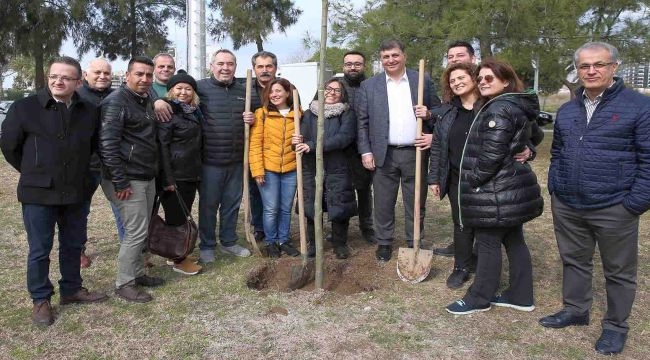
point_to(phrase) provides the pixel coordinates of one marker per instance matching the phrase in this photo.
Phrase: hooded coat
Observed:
(496, 190)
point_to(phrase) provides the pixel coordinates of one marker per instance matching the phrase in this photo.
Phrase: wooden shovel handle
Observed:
(418, 164)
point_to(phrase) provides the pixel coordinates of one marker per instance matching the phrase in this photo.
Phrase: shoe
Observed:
(130, 292)
(149, 281)
(272, 250)
(563, 319)
(259, 235)
(187, 267)
(369, 236)
(192, 258)
(610, 342)
(457, 278)
(287, 248)
(460, 307)
(311, 249)
(84, 260)
(42, 314)
(341, 251)
(445, 251)
(206, 256)
(235, 249)
(503, 301)
(83, 296)
(384, 252)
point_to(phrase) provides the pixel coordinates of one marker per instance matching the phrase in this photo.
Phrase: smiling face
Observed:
(459, 54)
(98, 74)
(394, 61)
(183, 92)
(333, 93)
(461, 82)
(164, 69)
(279, 96)
(223, 67)
(62, 81)
(139, 78)
(596, 70)
(490, 85)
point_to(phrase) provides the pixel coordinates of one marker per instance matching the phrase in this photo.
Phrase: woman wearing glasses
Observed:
(340, 124)
(498, 194)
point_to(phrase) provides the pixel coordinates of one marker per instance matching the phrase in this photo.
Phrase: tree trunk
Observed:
(134, 29)
(39, 74)
(259, 43)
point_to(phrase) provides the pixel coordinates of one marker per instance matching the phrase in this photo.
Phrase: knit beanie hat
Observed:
(181, 77)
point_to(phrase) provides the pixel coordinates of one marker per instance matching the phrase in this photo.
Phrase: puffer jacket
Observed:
(605, 162)
(340, 127)
(180, 146)
(128, 147)
(222, 106)
(270, 143)
(495, 190)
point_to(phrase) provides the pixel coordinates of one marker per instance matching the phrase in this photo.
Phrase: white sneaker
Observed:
(235, 249)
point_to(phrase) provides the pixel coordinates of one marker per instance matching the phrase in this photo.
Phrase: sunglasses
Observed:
(488, 78)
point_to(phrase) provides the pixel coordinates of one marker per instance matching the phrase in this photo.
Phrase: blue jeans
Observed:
(39, 221)
(220, 191)
(256, 205)
(277, 193)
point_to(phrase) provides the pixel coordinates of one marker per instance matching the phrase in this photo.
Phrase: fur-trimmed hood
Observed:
(331, 110)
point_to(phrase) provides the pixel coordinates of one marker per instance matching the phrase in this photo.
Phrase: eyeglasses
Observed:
(488, 79)
(334, 90)
(61, 77)
(353, 64)
(596, 66)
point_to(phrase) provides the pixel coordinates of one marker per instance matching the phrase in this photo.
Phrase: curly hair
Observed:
(447, 93)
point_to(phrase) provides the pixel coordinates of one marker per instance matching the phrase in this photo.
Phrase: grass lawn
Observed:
(215, 316)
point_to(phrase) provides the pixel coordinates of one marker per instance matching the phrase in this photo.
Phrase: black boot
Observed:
(340, 239)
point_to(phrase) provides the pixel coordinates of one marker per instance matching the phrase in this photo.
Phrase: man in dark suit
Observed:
(48, 138)
(386, 112)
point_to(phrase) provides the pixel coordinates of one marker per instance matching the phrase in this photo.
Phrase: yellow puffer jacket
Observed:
(270, 143)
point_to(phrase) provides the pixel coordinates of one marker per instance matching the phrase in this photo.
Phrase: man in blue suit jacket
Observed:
(387, 140)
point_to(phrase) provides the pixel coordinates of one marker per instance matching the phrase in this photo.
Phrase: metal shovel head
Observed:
(301, 275)
(413, 265)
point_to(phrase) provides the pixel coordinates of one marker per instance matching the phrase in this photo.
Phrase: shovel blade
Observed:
(301, 275)
(414, 265)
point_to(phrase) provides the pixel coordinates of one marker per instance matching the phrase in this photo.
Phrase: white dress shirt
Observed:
(402, 124)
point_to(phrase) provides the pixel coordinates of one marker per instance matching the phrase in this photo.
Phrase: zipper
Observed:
(131, 152)
(36, 151)
(462, 157)
(284, 132)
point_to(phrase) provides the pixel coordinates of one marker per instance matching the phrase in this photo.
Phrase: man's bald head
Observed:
(98, 74)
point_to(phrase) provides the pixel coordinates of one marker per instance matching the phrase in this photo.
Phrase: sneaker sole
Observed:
(185, 272)
(516, 307)
(468, 312)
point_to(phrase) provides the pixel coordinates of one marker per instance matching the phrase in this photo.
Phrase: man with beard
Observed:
(354, 64)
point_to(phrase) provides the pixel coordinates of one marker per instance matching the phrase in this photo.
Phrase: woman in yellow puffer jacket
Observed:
(273, 164)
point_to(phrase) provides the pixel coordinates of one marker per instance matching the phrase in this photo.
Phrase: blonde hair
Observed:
(193, 102)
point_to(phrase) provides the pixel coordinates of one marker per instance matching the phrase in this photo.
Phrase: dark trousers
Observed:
(463, 238)
(616, 232)
(39, 221)
(488, 268)
(364, 204)
(339, 231)
(255, 199)
(398, 168)
(173, 212)
(95, 180)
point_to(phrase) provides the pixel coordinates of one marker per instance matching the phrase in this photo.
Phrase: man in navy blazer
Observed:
(386, 111)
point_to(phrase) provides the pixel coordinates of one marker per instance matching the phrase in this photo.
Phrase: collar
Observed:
(46, 100)
(599, 96)
(223, 84)
(403, 77)
(97, 91)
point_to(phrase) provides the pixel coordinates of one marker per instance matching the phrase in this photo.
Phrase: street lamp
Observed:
(535, 64)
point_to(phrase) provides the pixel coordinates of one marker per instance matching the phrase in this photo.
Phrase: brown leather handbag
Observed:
(171, 242)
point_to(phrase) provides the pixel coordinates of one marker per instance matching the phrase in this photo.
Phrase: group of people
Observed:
(169, 135)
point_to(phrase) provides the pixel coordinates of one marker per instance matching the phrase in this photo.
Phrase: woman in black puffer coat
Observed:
(340, 124)
(497, 193)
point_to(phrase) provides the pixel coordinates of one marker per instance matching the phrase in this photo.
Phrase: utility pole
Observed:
(195, 11)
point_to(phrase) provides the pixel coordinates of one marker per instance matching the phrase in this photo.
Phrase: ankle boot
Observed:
(340, 239)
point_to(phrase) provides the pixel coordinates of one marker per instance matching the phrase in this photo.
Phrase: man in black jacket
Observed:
(129, 152)
(222, 105)
(48, 138)
(97, 86)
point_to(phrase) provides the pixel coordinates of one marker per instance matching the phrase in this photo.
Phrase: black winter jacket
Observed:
(128, 147)
(222, 106)
(95, 97)
(180, 146)
(338, 136)
(495, 190)
(50, 146)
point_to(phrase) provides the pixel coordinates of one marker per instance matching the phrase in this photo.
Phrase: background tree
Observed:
(126, 28)
(252, 21)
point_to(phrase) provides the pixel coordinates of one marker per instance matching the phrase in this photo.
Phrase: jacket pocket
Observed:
(32, 180)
